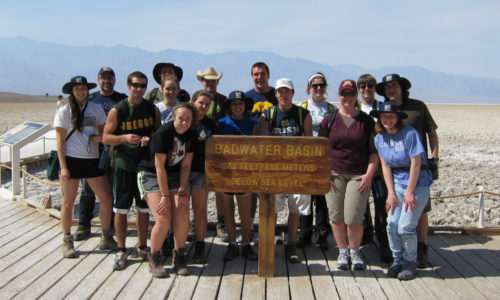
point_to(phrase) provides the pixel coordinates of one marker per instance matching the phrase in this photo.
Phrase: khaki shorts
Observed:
(346, 203)
(299, 204)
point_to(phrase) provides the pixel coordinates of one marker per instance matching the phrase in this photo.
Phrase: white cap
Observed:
(284, 82)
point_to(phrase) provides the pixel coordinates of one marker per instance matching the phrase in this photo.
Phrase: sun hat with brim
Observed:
(77, 80)
(388, 107)
(238, 95)
(405, 83)
(284, 82)
(157, 70)
(209, 74)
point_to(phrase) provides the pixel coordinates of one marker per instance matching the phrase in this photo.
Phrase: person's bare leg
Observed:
(142, 224)
(354, 236)
(69, 190)
(162, 222)
(423, 227)
(121, 229)
(100, 187)
(293, 226)
(339, 230)
(228, 205)
(180, 216)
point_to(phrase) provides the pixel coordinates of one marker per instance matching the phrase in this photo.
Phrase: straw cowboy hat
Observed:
(209, 74)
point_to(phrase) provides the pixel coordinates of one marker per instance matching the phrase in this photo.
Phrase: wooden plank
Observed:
(27, 244)
(345, 284)
(393, 288)
(451, 277)
(254, 286)
(321, 279)
(277, 286)
(6, 223)
(12, 211)
(232, 279)
(298, 279)
(5, 204)
(488, 249)
(138, 283)
(210, 276)
(267, 223)
(367, 281)
(18, 229)
(117, 280)
(82, 266)
(469, 265)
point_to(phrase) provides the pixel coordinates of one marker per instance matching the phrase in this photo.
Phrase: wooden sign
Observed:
(268, 164)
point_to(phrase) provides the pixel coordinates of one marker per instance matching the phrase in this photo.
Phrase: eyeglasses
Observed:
(318, 85)
(348, 94)
(366, 86)
(139, 85)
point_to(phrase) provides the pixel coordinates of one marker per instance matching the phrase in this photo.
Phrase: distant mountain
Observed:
(33, 67)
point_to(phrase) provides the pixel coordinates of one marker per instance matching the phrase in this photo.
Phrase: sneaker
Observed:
(68, 248)
(107, 241)
(82, 233)
(357, 261)
(141, 251)
(322, 242)
(248, 252)
(422, 255)
(222, 232)
(409, 270)
(343, 261)
(120, 260)
(291, 253)
(156, 265)
(179, 261)
(199, 255)
(232, 252)
(396, 268)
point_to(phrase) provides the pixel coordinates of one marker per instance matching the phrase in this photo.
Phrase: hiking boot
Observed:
(303, 242)
(343, 261)
(322, 242)
(82, 233)
(179, 261)
(291, 253)
(68, 249)
(396, 268)
(167, 247)
(232, 252)
(409, 270)
(199, 255)
(107, 241)
(422, 255)
(156, 265)
(248, 252)
(357, 261)
(120, 260)
(141, 251)
(222, 232)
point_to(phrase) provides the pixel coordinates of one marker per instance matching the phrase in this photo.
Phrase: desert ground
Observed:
(469, 155)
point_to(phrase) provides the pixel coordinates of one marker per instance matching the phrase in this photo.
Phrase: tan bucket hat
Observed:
(209, 74)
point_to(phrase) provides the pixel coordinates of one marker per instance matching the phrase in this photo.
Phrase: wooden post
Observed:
(267, 223)
(480, 223)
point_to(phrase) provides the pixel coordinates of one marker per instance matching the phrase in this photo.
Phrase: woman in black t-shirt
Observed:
(163, 180)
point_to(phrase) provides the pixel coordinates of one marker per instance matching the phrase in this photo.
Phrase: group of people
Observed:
(157, 148)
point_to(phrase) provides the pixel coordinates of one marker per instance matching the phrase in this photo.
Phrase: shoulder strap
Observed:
(330, 107)
(304, 104)
(83, 115)
(331, 119)
(272, 116)
(301, 121)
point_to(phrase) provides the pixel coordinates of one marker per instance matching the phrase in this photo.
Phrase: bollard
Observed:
(23, 195)
(480, 223)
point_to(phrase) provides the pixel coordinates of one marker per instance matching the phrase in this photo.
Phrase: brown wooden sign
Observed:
(268, 164)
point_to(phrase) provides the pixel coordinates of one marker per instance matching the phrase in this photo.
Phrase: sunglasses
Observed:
(318, 85)
(366, 86)
(139, 85)
(348, 94)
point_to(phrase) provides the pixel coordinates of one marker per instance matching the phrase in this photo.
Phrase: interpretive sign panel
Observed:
(268, 164)
(21, 132)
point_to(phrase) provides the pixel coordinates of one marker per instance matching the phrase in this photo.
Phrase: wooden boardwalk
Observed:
(31, 266)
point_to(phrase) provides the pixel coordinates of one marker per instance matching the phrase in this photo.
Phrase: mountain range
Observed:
(38, 68)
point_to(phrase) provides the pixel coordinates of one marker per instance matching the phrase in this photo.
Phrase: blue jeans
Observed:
(401, 226)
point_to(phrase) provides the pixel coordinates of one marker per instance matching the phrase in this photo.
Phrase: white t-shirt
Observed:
(166, 112)
(78, 145)
(318, 112)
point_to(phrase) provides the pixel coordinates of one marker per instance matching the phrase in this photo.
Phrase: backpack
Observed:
(299, 116)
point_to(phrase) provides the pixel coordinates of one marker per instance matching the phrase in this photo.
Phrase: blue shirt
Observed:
(229, 126)
(397, 151)
(107, 102)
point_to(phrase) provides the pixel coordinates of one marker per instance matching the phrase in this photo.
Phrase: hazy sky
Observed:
(457, 37)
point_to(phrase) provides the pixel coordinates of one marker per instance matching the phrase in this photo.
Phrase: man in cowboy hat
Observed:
(106, 97)
(396, 88)
(210, 80)
(160, 71)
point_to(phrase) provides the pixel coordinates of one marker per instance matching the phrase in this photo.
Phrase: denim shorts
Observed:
(197, 180)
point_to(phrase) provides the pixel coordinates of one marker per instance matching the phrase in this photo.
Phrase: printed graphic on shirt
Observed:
(261, 106)
(286, 129)
(137, 124)
(90, 121)
(177, 153)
